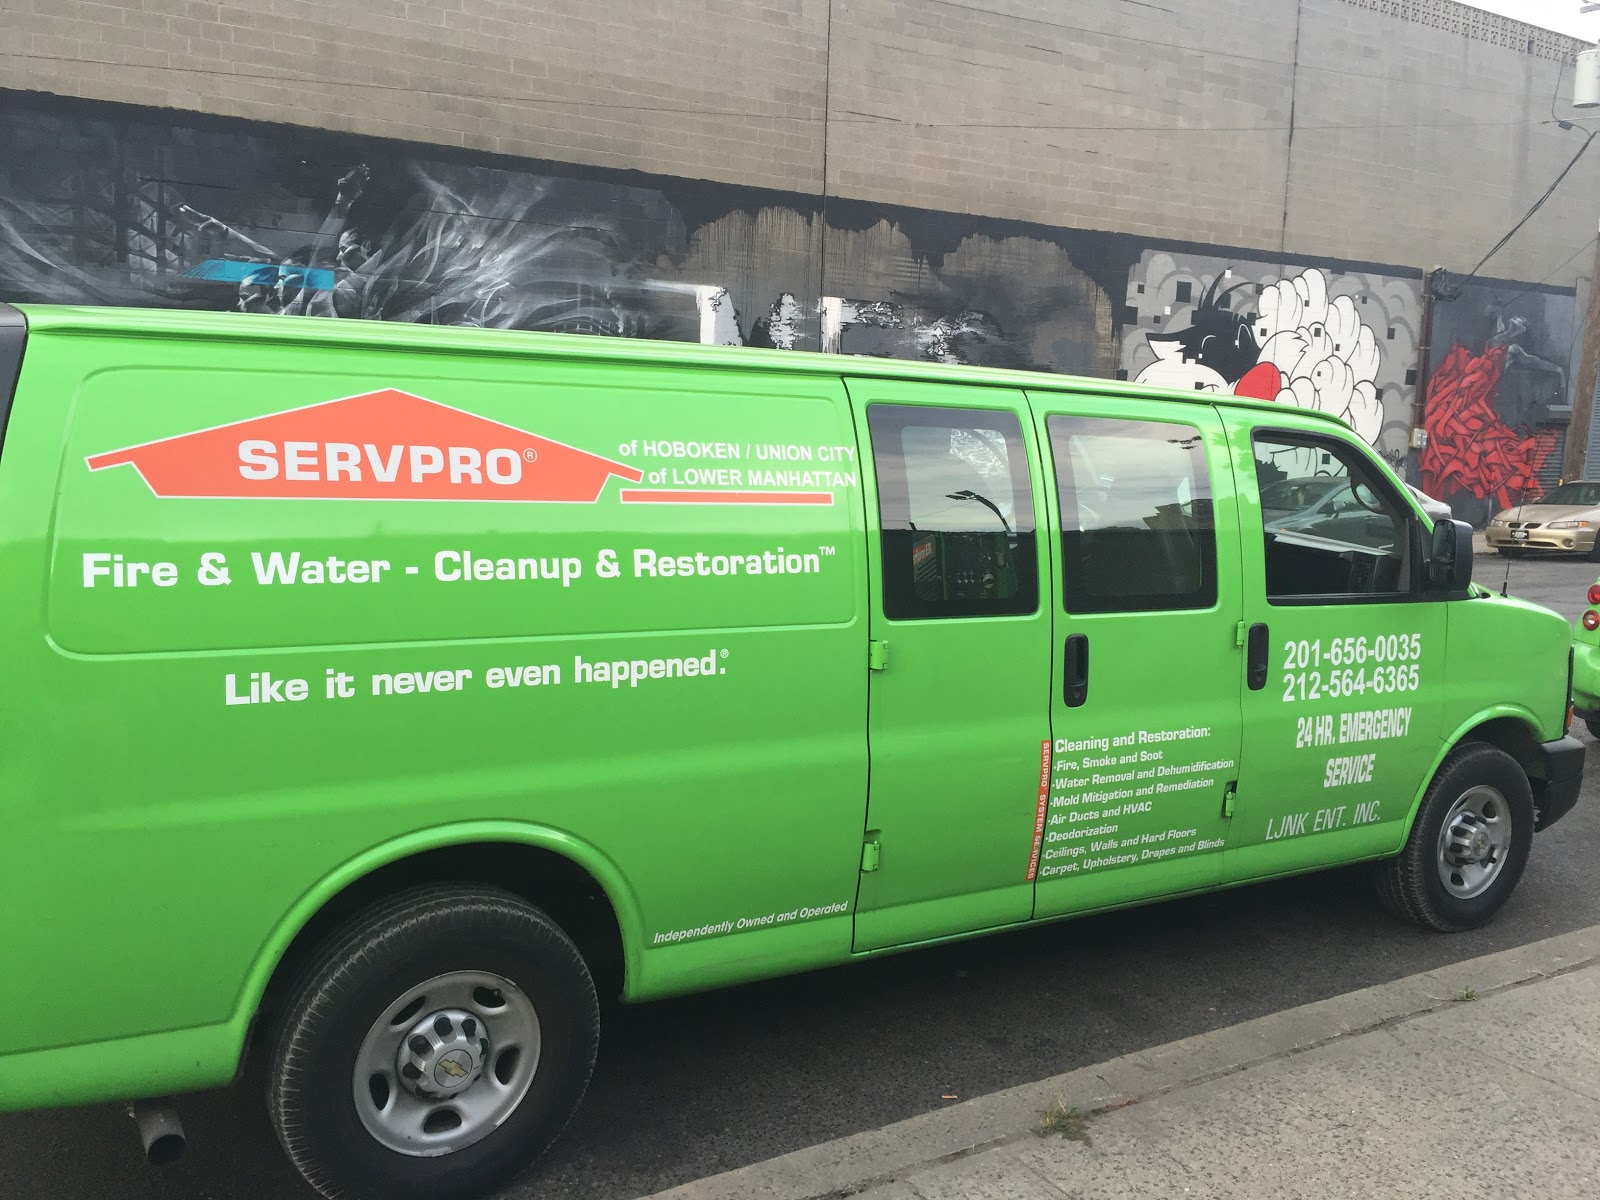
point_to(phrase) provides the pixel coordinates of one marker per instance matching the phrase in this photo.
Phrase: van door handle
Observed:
(1256, 658)
(1075, 670)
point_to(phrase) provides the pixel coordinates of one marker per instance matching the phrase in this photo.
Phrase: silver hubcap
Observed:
(447, 1063)
(1473, 842)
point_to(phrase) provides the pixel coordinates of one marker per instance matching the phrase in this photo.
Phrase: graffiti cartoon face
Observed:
(1302, 348)
(1173, 369)
(1218, 352)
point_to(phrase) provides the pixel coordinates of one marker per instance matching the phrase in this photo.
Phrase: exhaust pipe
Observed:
(160, 1131)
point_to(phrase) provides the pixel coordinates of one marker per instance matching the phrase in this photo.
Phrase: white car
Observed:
(1295, 495)
(1436, 509)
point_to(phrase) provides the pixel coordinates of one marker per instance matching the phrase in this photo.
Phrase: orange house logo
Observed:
(383, 445)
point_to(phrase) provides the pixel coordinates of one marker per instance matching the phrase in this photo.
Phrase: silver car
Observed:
(1295, 496)
(1564, 518)
(1437, 510)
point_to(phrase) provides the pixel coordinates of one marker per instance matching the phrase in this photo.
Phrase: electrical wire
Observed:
(1552, 271)
(1537, 205)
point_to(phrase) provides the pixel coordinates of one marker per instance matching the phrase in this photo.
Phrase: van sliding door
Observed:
(1144, 697)
(957, 697)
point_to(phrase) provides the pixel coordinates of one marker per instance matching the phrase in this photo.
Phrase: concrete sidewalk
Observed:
(1482, 1078)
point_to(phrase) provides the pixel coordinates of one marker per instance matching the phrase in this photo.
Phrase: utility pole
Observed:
(1572, 465)
(1585, 94)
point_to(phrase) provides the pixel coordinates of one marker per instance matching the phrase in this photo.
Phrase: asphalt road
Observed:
(691, 1087)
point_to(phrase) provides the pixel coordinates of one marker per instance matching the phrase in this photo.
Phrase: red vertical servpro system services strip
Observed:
(1044, 795)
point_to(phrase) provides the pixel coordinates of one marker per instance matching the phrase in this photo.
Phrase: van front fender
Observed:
(1511, 727)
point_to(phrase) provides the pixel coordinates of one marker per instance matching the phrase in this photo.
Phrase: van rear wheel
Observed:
(436, 1047)
(1469, 845)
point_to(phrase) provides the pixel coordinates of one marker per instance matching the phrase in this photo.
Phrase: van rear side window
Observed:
(1137, 533)
(957, 512)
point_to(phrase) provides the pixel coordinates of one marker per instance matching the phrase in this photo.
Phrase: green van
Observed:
(374, 690)
(1586, 662)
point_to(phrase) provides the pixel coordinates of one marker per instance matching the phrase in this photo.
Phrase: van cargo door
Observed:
(1144, 699)
(958, 711)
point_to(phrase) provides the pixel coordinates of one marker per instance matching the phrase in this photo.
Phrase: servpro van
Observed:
(373, 689)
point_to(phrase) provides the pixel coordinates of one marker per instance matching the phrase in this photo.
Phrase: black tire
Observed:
(1594, 551)
(1411, 885)
(1593, 724)
(395, 946)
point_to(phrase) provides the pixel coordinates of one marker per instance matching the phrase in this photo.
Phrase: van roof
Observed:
(394, 335)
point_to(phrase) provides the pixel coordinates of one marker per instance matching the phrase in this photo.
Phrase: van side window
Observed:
(1331, 528)
(1137, 533)
(956, 510)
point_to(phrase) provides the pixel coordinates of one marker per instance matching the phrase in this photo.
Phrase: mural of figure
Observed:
(1473, 451)
(221, 245)
(1300, 349)
(301, 282)
(337, 257)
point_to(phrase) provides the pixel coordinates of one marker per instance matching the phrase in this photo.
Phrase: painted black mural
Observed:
(106, 204)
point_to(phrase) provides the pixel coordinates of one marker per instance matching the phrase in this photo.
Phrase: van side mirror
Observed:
(1450, 557)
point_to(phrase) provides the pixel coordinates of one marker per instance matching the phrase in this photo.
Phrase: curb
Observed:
(852, 1164)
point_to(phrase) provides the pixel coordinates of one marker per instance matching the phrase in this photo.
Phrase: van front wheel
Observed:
(434, 1049)
(1469, 845)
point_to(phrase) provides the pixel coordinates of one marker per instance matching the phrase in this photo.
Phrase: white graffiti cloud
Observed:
(1327, 355)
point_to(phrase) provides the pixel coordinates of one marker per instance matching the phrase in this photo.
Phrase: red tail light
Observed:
(1594, 593)
(1591, 619)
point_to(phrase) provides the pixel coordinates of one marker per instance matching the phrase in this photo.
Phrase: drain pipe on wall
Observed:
(1419, 398)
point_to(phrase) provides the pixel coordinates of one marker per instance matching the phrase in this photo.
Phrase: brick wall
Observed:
(714, 89)
(1448, 158)
(1416, 124)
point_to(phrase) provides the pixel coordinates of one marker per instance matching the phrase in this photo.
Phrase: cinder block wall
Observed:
(1452, 139)
(1402, 131)
(1069, 112)
(715, 89)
